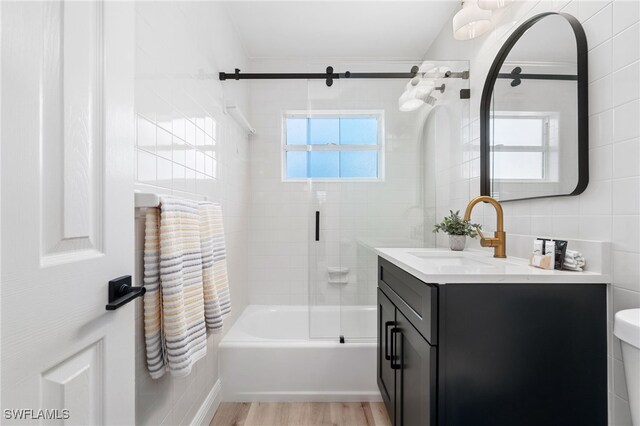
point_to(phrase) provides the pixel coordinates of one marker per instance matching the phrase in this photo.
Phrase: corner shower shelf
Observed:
(235, 112)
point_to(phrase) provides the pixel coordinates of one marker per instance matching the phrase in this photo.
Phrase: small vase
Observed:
(457, 242)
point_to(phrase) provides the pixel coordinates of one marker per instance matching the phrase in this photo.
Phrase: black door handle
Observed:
(122, 292)
(317, 225)
(386, 338)
(395, 366)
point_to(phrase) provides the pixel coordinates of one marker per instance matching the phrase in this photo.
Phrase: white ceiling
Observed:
(339, 29)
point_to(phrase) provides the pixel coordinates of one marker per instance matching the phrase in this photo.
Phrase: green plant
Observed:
(455, 225)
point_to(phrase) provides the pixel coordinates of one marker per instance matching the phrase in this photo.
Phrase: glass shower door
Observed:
(372, 184)
(326, 273)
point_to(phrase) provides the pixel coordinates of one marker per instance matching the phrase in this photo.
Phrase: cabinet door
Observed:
(414, 361)
(386, 375)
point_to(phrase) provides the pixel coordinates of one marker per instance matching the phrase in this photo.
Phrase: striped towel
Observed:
(181, 315)
(186, 277)
(154, 338)
(217, 301)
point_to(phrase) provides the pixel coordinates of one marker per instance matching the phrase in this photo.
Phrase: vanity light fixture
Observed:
(416, 94)
(493, 4)
(471, 21)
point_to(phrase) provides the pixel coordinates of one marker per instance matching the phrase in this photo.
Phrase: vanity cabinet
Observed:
(491, 354)
(406, 368)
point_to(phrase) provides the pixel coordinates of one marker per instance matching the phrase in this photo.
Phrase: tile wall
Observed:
(285, 265)
(186, 145)
(609, 210)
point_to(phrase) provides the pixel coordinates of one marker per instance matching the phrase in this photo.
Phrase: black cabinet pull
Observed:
(386, 338)
(395, 366)
(317, 225)
(122, 292)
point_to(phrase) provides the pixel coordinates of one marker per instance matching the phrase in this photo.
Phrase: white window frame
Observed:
(379, 147)
(545, 148)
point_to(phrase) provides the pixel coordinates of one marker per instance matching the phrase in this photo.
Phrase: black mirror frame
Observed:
(583, 106)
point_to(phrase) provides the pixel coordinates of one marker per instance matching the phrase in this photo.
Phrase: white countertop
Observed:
(443, 266)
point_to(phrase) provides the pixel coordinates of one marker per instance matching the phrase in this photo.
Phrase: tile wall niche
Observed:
(609, 209)
(186, 146)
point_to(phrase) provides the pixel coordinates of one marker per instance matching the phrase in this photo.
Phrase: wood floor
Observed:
(299, 414)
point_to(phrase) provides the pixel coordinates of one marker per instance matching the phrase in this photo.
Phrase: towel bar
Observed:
(150, 200)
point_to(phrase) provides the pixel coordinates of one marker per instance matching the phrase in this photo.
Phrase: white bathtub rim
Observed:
(241, 330)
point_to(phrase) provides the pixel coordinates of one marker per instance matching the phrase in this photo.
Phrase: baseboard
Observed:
(363, 396)
(208, 408)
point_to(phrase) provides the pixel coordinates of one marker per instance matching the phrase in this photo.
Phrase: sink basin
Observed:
(450, 259)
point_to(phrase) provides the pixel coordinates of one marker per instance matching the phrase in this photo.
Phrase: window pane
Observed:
(324, 164)
(296, 164)
(360, 164)
(358, 131)
(518, 165)
(296, 131)
(518, 131)
(324, 131)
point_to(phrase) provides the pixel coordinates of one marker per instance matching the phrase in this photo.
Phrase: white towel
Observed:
(573, 261)
(572, 254)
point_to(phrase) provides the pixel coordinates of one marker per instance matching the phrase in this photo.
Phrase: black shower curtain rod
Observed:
(329, 75)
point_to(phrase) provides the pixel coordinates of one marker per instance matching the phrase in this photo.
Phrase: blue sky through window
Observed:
(332, 132)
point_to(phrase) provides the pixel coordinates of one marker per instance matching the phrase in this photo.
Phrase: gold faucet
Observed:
(499, 242)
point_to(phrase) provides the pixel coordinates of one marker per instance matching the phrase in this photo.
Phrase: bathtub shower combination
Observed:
(268, 355)
(318, 343)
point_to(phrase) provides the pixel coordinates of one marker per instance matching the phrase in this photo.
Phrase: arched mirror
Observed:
(533, 113)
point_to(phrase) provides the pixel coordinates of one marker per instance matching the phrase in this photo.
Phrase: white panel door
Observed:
(66, 211)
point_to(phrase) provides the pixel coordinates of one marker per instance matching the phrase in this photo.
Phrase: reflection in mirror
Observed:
(533, 141)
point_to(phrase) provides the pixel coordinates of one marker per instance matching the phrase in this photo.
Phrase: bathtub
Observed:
(268, 355)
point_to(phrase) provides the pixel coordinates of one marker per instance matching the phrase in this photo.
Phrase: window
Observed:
(522, 146)
(333, 146)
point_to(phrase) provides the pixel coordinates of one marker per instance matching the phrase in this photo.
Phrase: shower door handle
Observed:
(395, 366)
(317, 225)
(386, 338)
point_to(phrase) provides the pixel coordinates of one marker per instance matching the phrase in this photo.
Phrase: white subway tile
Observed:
(626, 124)
(626, 268)
(626, 48)
(586, 9)
(626, 237)
(626, 84)
(626, 158)
(600, 61)
(601, 129)
(146, 167)
(626, 199)
(600, 95)
(625, 14)
(599, 27)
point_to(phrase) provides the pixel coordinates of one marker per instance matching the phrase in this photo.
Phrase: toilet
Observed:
(627, 329)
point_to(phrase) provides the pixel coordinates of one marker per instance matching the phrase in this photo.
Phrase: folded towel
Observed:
(177, 303)
(573, 253)
(575, 262)
(572, 268)
(217, 300)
